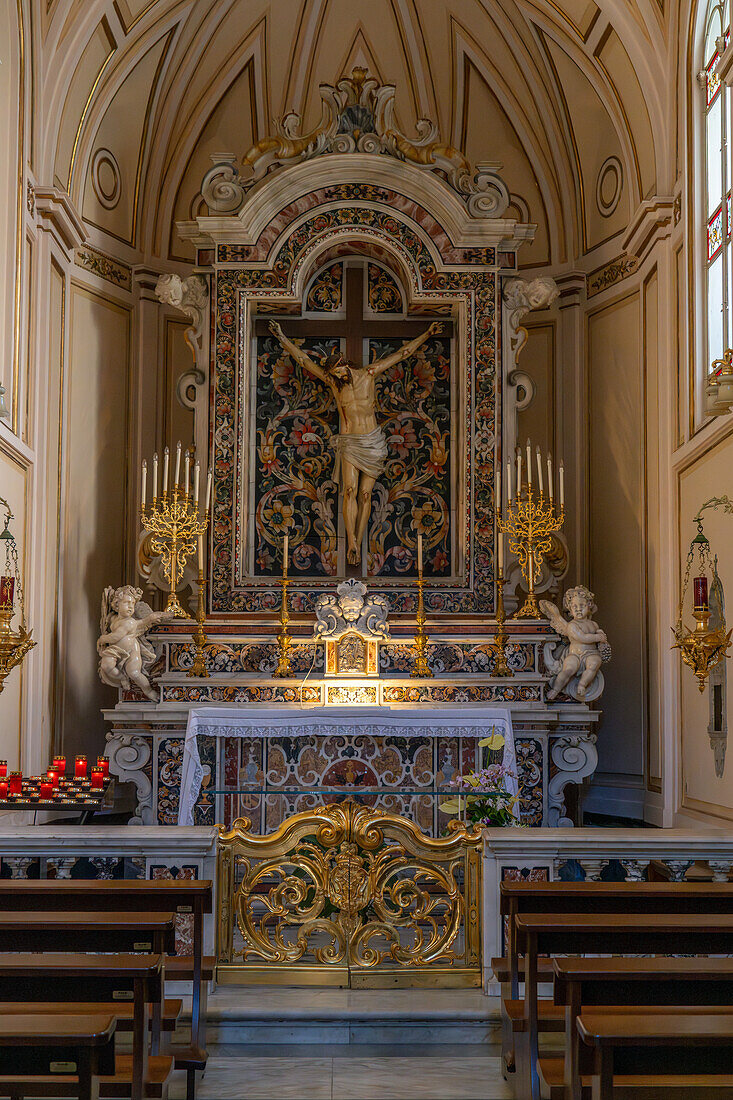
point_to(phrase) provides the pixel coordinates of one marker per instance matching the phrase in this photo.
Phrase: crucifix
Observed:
(360, 446)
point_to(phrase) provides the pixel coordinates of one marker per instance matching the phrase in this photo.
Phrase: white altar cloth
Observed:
(385, 721)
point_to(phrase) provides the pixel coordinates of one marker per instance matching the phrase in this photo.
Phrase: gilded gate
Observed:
(349, 895)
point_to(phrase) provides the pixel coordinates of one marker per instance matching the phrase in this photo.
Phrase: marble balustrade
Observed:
(92, 851)
(577, 855)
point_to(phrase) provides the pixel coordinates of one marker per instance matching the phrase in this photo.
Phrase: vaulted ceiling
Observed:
(572, 98)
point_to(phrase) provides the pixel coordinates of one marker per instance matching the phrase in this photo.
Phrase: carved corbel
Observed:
(191, 297)
(128, 754)
(520, 298)
(576, 759)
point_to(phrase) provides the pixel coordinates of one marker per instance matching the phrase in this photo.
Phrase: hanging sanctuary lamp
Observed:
(13, 644)
(705, 645)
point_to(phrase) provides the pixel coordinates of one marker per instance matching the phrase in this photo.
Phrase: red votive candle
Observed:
(3, 789)
(46, 789)
(103, 763)
(15, 783)
(97, 779)
(3, 769)
(59, 763)
(7, 587)
(80, 767)
(53, 776)
(701, 593)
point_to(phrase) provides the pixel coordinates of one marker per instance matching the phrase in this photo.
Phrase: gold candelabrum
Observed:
(14, 645)
(530, 520)
(702, 648)
(175, 522)
(284, 641)
(420, 666)
(501, 668)
(198, 668)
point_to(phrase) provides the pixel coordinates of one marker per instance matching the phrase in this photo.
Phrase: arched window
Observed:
(717, 190)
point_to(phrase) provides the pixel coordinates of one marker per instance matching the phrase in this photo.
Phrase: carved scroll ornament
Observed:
(357, 115)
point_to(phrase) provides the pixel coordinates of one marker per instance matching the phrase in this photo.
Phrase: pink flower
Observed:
(282, 372)
(304, 437)
(440, 561)
(404, 441)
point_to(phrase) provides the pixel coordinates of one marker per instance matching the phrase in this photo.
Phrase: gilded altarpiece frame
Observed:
(271, 275)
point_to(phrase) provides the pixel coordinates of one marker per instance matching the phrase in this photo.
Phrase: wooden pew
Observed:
(600, 933)
(34, 1046)
(148, 895)
(601, 897)
(619, 984)
(583, 897)
(687, 1055)
(106, 981)
(152, 933)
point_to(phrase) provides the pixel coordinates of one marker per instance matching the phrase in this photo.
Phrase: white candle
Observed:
(500, 551)
(497, 491)
(285, 555)
(419, 553)
(208, 492)
(539, 472)
(155, 476)
(196, 475)
(519, 472)
(186, 470)
(509, 493)
(529, 463)
(201, 553)
(178, 463)
(145, 480)
(166, 459)
(550, 487)
(561, 469)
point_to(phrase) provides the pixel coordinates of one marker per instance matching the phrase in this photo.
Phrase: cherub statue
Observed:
(585, 651)
(125, 656)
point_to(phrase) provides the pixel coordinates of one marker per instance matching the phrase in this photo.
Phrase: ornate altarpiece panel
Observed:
(360, 219)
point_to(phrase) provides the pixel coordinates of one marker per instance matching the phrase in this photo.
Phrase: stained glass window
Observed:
(718, 181)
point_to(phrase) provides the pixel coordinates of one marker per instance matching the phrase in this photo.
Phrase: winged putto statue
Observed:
(125, 657)
(576, 662)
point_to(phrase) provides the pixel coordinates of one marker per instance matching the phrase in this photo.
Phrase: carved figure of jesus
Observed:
(360, 446)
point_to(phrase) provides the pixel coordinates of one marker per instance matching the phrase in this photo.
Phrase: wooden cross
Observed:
(355, 328)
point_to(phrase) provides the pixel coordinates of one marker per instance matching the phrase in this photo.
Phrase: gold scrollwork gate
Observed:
(349, 895)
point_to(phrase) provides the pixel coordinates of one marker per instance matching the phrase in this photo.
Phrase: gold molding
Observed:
(653, 782)
(20, 227)
(85, 110)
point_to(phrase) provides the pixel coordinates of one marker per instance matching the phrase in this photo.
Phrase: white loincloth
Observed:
(367, 452)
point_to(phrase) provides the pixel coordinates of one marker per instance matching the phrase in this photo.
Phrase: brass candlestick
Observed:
(284, 641)
(420, 667)
(530, 522)
(501, 668)
(198, 668)
(175, 523)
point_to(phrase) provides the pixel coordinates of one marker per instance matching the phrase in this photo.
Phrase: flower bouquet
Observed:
(483, 798)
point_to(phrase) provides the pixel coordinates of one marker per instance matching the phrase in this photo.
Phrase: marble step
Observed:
(252, 1015)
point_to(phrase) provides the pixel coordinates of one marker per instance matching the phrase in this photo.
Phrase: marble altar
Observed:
(396, 758)
(555, 742)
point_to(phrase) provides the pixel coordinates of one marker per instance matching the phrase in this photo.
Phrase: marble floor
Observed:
(350, 1072)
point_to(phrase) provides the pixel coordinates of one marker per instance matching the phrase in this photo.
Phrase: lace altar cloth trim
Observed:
(309, 721)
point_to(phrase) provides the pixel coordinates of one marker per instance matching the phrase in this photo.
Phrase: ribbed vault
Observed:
(568, 97)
